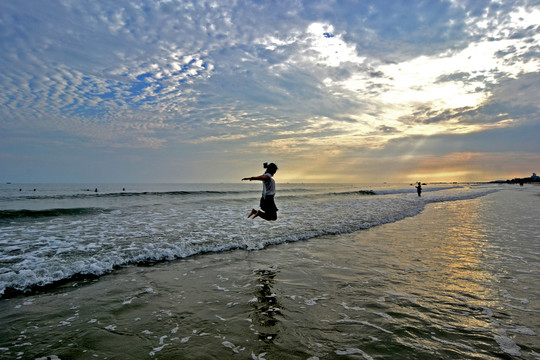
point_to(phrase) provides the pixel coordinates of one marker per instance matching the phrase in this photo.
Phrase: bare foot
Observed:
(253, 212)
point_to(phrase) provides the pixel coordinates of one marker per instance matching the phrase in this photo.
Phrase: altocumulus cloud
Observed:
(307, 83)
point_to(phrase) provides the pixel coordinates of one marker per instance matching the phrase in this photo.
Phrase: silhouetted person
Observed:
(268, 207)
(419, 189)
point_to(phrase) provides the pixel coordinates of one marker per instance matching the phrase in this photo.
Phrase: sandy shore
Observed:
(423, 287)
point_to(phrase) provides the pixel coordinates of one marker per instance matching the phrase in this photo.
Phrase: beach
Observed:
(459, 279)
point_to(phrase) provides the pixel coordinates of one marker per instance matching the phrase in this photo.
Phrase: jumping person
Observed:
(268, 207)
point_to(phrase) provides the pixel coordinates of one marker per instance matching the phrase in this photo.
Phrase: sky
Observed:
(331, 91)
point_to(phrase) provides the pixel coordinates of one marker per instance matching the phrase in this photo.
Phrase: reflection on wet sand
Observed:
(266, 306)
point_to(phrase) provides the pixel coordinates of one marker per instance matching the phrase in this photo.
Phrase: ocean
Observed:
(347, 271)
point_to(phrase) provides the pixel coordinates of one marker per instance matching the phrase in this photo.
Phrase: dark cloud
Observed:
(376, 74)
(512, 100)
(527, 33)
(387, 129)
(491, 112)
(458, 76)
(490, 141)
(424, 114)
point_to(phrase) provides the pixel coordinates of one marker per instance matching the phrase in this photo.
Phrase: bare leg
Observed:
(253, 212)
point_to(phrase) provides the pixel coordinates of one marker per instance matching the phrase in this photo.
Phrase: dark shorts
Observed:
(269, 207)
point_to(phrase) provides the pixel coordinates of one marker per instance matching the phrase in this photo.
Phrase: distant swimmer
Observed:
(419, 189)
(268, 207)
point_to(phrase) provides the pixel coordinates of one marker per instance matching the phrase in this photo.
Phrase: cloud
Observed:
(511, 102)
(387, 129)
(302, 77)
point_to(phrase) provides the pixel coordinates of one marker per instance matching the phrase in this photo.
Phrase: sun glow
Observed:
(440, 176)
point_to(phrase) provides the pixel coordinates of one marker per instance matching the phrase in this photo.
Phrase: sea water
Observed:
(51, 233)
(347, 272)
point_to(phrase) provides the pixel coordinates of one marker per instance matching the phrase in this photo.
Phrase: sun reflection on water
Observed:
(443, 271)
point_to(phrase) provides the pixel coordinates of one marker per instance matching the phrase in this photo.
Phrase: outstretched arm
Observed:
(262, 178)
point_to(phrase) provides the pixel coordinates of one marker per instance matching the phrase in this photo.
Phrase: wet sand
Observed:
(432, 286)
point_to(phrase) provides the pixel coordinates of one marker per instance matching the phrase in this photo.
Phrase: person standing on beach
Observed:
(268, 207)
(419, 189)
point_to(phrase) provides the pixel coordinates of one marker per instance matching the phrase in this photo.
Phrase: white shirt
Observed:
(269, 186)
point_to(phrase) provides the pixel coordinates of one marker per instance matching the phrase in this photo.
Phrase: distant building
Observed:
(534, 178)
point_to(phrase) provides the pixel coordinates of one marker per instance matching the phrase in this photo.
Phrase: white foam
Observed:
(156, 350)
(185, 339)
(262, 355)
(313, 301)
(387, 317)
(221, 288)
(353, 351)
(376, 327)
(127, 302)
(235, 349)
(354, 308)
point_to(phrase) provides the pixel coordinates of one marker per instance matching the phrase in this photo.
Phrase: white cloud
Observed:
(404, 86)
